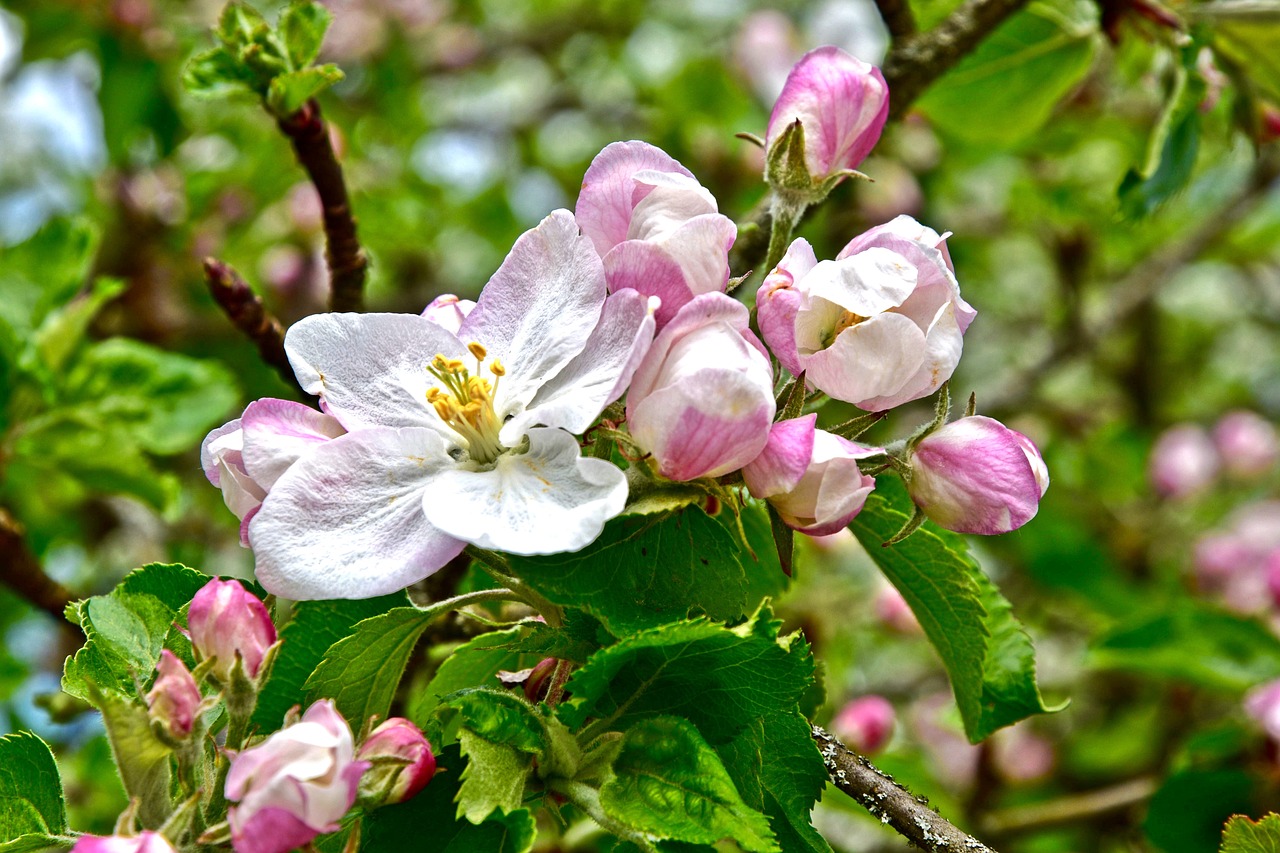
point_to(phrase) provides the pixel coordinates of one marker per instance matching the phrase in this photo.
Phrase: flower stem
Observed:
(784, 214)
(497, 567)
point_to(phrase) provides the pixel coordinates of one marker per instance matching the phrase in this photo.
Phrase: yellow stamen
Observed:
(478, 351)
(466, 403)
(496, 368)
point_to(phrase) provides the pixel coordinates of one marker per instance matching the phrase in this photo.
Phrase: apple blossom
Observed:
(810, 476)
(407, 762)
(174, 699)
(975, 475)
(702, 400)
(144, 842)
(227, 621)
(865, 724)
(841, 103)
(295, 785)
(1247, 444)
(456, 438)
(879, 326)
(448, 311)
(657, 230)
(1183, 461)
(1235, 560)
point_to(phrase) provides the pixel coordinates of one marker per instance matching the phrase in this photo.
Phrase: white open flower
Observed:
(456, 438)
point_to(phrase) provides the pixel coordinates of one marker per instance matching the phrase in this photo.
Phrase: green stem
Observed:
(497, 567)
(439, 608)
(784, 215)
(587, 798)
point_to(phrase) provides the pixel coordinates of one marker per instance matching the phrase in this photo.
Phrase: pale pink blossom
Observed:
(407, 761)
(295, 785)
(144, 842)
(174, 699)
(656, 229)
(975, 475)
(1183, 461)
(810, 476)
(702, 400)
(1234, 561)
(227, 621)
(448, 311)
(879, 326)
(1247, 444)
(865, 724)
(841, 102)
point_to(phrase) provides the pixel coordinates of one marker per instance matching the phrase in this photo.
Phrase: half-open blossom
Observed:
(841, 102)
(456, 438)
(810, 476)
(295, 785)
(245, 457)
(174, 699)
(1183, 461)
(865, 723)
(975, 475)
(881, 325)
(656, 228)
(1247, 444)
(448, 311)
(144, 842)
(225, 620)
(702, 401)
(401, 762)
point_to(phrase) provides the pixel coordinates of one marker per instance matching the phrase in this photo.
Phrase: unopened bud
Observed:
(146, 842)
(401, 759)
(865, 724)
(174, 699)
(226, 620)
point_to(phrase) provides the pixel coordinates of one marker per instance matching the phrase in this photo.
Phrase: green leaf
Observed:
(63, 330)
(215, 73)
(1242, 835)
(1246, 32)
(127, 628)
(1194, 642)
(37, 842)
(1008, 87)
(239, 24)
(473, 664)
(643, 571)
(405, 826)
(577, 639)
(985, 650)
(502, 718)
(1187, 814)
(494, 778)
(302, 27)
(289, 91)
(722, 679)
(670, 784)
(315, 626)
(30, 788)
(143, 761)
(361, 672)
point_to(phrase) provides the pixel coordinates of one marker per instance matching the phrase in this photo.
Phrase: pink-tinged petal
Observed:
(785, 458)
(1183, 461)
(346, 520)
(1247, 443)
(866, 724)
(606, 200)
(216, 444)
(269, 830)
(225, 621)
(278, 432)
(546, 500)
(831, 490)
(778, 300)
(448, 311)
(935, 282)
(175, 696)
(539, 308)
(370, 370)
(664, 201)
(144, 842)
(650, 270)
(701, 248)
(599, 375)
(705, 310)
(944, 343)
(1262, 703)
(866, 284)
(843, 104)
(871, 359)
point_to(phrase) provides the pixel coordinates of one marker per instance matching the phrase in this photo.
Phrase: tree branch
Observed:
(246, 312)
(1071, 808)
(898, 18)
(22, 573)
(893, 804)
(309, 134)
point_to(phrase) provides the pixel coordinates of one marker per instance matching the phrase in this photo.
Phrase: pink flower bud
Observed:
(1247, 444)
(226, 621)
(1183, 462)
(145, 842)
(975, 475)
(895, 614)
(448, 311)
(408, 762)
(842, 104)
(1262, 703)
(1022, 756)
(295, 785)
(865, 724)
(174, 699)
(810, 476)
(701, 402)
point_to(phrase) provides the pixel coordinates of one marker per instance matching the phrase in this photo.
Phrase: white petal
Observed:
(607, 198)
(866, 284)
(701, 247)
(346, 520)
(278, 432)
(875, 358)
(664, 201)
(371, 369)
(943, 344)
(545, 501)
(599, 375)
(540, 307)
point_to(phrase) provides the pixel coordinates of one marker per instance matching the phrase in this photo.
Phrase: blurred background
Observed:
(1109, 173)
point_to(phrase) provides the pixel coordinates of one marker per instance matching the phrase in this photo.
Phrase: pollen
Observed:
(477, 350)
(466, 402)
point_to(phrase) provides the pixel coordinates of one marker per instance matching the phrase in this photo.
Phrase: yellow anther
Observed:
(478, 351)
(497, 369)
(439, 363)
(454, 365)
(432, 394)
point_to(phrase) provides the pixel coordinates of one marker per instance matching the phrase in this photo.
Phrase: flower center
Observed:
(465, 402)
(847, 319)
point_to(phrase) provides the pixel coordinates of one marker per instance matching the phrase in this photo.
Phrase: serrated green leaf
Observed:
(216, 73)
(142, 760)
(577, 639)
(302, 27)
(669, 783)
(427, 823)
(238, 24)
(502, 718)
(63, 329)
(720, 678)
(644, 571)
(314, 627)
(30, 788)
(289, 91)
(494, 778)
(1242, 835)
(986, 652)
(1008, 87)
(361, 672)
(473, 664)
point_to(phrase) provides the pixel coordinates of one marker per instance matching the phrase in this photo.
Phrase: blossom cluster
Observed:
(464, 425)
